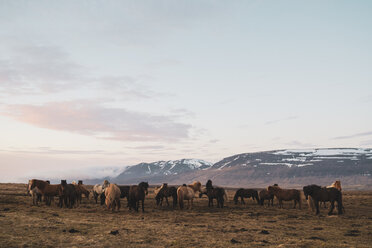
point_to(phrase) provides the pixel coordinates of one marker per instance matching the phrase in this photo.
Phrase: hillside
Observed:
(286, 167)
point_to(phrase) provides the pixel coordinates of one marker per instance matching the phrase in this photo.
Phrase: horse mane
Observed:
(336, 184)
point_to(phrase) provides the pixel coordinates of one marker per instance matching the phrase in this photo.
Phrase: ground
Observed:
(250, 225)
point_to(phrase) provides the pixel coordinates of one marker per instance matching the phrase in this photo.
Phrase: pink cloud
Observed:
(90, 118)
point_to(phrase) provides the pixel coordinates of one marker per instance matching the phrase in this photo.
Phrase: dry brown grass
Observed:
(24, 225)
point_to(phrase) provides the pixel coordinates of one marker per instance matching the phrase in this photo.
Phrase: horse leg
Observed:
(332, 207)
(143, 205)
(166, 199)
(280, 204)
(295, 202)
(316, 203)
(192, 200)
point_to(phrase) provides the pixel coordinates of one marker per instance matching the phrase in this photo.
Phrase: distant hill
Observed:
(287, 167)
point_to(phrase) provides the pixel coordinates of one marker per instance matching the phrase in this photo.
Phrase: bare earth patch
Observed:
(91, 225)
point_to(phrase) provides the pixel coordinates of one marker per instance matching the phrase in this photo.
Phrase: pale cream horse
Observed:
(336, 184)
(187, 192)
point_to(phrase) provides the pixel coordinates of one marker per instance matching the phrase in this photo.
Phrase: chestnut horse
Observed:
(47, 190)
(188, 193)
(265, 195)
(136, 194)
(286, 195)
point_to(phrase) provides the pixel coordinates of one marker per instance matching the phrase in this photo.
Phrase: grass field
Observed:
(89, 225)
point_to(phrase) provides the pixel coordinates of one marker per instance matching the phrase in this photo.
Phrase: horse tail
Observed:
(225, 196)
(180, 197)
(310, 202)
(299, 199)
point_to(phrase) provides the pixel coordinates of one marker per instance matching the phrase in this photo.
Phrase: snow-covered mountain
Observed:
(300, 158)
(296, 167)
(160, 170)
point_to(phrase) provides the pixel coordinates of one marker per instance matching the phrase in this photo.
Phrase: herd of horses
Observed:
(70, 195)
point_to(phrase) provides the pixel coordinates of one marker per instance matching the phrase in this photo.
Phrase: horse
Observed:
(265, 195)
(321, 194)
(247, 193)
(99, 190)
(336, 184)
(214, 193)
(136, 194)
(285, 195)
(165, 191)
(35, 193)
(47, 190)
(112, 197)
(188, 193)
(81, 190)
(124, 192)
(68, 194)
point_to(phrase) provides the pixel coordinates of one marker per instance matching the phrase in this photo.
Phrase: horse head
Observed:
(196, 186)
(80, 182)
(63, 182)
(209, 184)
(144, 186)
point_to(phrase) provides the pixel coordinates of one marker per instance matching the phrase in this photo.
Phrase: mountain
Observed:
(160, 171)
(296, 167)
(289, 168)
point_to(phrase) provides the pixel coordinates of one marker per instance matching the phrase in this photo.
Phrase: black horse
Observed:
(322, 194)
(136, 194)
(166, 192)
(247, 193)
(214, 193)
(124, 192)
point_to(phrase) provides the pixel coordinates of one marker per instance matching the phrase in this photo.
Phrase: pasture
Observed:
(250, 225)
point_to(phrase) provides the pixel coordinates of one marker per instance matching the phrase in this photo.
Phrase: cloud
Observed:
(50, 151)
(36, 69)
(353, 135)
(279, 120)
(30, 70)
(90, 118)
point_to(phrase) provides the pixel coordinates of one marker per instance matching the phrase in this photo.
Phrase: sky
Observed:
(89, 87)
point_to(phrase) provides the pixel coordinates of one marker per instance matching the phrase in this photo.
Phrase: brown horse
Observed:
(319, 194)
(137, 193)
(112, 197)
(81, 190)
(47, 190)
(164, 192)
(265, 195)
(68, 194)
(286, 195)
(247, 193)
(217, 193)
(188, 193)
